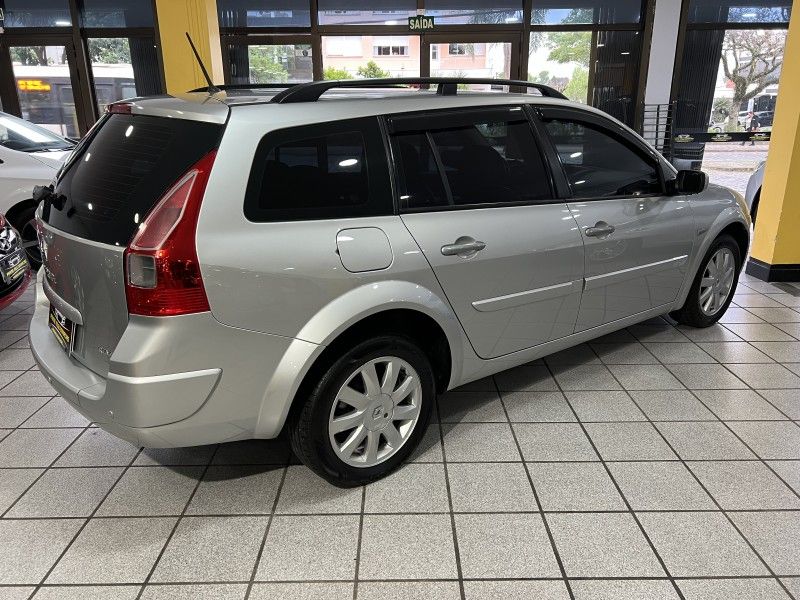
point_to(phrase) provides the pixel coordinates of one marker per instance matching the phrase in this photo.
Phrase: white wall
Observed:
(662, 51)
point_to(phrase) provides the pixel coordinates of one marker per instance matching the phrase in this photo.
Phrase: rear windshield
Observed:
(123, 170)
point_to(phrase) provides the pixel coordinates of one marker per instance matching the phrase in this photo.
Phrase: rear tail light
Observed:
(162, 272)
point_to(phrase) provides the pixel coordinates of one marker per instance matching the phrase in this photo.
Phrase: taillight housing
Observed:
(162, 272)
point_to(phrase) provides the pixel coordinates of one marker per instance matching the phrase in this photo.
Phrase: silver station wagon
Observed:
(324, 258)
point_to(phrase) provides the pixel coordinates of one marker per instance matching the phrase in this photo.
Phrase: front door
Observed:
(637, 239)
(477, 197)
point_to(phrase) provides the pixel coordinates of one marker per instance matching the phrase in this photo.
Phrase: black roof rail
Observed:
(446, 86)
(247, 86)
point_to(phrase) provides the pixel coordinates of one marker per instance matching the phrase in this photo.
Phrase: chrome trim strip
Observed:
(596, 281)
(526, 297)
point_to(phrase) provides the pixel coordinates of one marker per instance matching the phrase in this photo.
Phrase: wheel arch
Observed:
(18, 208)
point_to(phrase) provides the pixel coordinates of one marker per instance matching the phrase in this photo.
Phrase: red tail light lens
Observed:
(162, 272)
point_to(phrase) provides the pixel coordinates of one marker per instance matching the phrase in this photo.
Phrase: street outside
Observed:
(731, 164)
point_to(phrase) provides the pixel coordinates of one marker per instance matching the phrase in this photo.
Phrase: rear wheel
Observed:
(713, 286)
(25, 224)
(367, 413)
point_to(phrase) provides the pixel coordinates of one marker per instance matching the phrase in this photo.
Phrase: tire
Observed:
(704, 311)
(754, 209)
(312, 432)
(24, 224)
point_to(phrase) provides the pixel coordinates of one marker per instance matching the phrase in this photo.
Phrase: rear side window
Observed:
(123, 171)
(485, 161)
(327, 170)
(599, 164)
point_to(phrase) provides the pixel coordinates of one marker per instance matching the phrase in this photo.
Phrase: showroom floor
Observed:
(657, 462)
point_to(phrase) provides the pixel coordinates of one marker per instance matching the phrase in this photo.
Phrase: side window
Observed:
(319, 171)
(598, 163)
(487, 161)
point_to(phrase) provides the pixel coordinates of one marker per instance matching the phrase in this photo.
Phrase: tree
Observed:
(372, 71)
(578, 86)
(570, 46)
(334, 73)
(29, 55)
(751, 60)
(543, 77)
(112, 51)
(267, 64)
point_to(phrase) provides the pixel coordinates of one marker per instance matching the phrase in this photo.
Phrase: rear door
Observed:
(478, 199)
(637, 239)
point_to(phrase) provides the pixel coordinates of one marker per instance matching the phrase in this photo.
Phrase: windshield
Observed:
(17, 134)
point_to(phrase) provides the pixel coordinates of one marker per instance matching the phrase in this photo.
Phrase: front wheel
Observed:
(25, 224)
(713, 286)
(367, 413)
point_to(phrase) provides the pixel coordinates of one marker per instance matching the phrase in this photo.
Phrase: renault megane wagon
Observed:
(325, 258)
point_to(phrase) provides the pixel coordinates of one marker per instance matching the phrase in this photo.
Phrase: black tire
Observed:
(23, 224)
(754, 209)
(308, 426)
(691, 313)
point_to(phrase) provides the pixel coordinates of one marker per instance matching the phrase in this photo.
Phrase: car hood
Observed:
(51, 158)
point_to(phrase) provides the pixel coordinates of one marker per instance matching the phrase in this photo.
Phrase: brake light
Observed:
(162, 272)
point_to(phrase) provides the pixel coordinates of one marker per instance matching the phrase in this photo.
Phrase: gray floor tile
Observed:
(706, 377)
(480, 385)
(457, 407)
(700, 544)
(311, 548)
(236, 490)
(553, 441)
(7, 377)
(527, 378)
(8, 337)
(31, 383)
(15, 359)
(88, 592)
(678, 352)
(793, 584)
(14, 411)
(302, 591)
(421, 547)
(66, 493)
(581, 354)
(585, 377)
(793, 329)
(788, 470)
(193, 455)
(113, 551)
(715, 333)
(411, 590)
(429, 448)
(770, 376)
(57, 413)
(770, 440)
(737, 315)
(759, 332)
(735, 352)
(575, 487)
(629, 441)
(603, 545)
(211, 591)
(306, 492)
(167, 491)
(471, 442)
(749, 300)
(510, 490)
(732, 589)
(604, 406)
(671, 405)
(540, 590)
(252, 452)
(704, 441)
(612, 589)
(412, 488)
(793, 367)
(654, 332)
(13, 482)
(537, 407)
(97, 448)
(504, 546)
(645, 377)
(35, 447)
(29, 548)
(779, 314)
(739, 405)
(774, 536)
(744, 485)
(624, 353)
(660, 486)
(212, 549)
(787, 401)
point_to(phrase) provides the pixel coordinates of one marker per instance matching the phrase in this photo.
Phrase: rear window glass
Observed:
(122, 172)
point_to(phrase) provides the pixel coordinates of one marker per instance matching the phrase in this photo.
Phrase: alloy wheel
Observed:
(717, 281)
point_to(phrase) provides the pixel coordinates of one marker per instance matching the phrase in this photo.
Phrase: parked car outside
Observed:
(752, 194)
(15, 273)
(229, 266)
(30, 155)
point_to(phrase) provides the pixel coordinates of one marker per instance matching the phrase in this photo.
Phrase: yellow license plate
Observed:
(61, 327)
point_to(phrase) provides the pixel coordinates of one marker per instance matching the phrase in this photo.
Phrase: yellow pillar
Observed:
(199, 18)
(775, 253)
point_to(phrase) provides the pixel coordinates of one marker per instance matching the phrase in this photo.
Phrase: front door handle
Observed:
(464, 247)
(600, 229)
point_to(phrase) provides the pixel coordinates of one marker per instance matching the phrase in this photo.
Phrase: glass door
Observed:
(268, 59)
(472, 55)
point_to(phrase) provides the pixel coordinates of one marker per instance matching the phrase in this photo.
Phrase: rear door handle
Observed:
(600, 229)
(464, 246)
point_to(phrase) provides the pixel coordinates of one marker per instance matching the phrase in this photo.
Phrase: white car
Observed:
(30, 155)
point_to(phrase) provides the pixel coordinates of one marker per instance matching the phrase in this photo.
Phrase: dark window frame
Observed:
(380, 193)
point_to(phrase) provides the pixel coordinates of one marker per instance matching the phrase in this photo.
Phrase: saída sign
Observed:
(420, 23)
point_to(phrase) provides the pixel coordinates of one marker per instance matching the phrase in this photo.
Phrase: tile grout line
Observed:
(360, 538)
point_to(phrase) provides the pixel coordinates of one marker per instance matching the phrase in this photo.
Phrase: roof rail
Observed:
(446, 86)
(247, 86)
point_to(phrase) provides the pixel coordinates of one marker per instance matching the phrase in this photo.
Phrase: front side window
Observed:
(599, 164)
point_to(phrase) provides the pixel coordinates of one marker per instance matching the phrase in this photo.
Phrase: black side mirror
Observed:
(689, 182)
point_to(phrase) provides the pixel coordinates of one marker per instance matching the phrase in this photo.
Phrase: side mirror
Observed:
(689, 182)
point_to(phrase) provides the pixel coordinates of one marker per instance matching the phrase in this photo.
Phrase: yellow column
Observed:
(775, 253)
(199, 18)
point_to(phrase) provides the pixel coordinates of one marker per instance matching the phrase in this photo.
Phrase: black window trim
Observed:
(615, 130)
(418, 121)
(380, 188)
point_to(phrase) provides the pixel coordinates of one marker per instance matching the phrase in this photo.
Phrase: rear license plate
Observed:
(61, 327)
(14, 266)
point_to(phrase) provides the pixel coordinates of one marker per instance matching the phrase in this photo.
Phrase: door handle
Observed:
(464, 246)
(600, 229)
